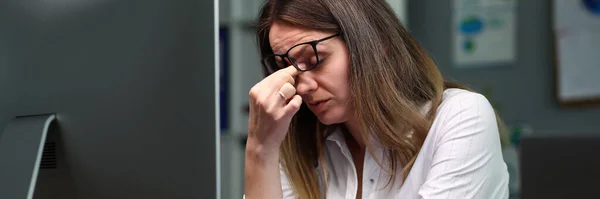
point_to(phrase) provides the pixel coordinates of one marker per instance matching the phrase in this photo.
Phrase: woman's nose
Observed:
(305, 83)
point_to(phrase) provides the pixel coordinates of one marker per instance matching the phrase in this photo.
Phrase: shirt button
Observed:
(372, 180)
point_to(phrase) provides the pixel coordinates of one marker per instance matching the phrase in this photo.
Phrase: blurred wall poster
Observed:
(483, 32)
(577, 31)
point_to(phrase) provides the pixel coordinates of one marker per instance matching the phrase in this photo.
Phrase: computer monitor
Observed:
(560, 166)
(126, 90)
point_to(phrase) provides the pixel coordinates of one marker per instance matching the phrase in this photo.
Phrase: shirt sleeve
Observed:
(467, 162)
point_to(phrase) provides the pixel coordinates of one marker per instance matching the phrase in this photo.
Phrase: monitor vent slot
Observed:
(49, 156)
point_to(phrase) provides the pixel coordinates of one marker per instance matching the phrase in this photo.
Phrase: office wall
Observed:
(3, 83)
(4, 74)
(523, 89)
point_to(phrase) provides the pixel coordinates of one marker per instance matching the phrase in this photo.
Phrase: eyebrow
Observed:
(279, 47)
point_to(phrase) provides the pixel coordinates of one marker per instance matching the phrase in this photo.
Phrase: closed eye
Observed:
(283, 63)
(321, 60)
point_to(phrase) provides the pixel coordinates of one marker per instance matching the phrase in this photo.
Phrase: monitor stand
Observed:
(21, 148)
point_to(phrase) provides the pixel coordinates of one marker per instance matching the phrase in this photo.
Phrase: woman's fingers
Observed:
(290, 72)
(267, 96)
(273, 103)
(287, 91)
(280, 77)
(293, 106)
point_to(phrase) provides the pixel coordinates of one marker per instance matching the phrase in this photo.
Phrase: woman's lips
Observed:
(319, 106)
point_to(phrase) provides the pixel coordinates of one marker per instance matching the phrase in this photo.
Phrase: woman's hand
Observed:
(273, 103)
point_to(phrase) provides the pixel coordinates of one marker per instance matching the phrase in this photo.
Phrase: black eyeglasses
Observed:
(303, 56)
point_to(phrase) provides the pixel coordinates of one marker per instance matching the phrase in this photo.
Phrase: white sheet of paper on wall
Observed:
(577, 35)
(578, 63)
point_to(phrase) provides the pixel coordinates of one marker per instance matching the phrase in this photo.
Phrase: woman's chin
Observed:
(329, 118)
(327, 122)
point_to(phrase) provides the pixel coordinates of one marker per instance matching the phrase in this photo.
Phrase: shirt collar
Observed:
(337, 137)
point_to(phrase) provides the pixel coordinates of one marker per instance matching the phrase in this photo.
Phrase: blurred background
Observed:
(506, 50)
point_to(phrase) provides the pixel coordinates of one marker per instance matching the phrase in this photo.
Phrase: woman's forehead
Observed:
(283, 36)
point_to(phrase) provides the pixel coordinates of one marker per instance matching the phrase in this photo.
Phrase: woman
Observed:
(353, 107)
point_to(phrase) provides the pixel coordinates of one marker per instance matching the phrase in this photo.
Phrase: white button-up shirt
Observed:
(460, 158)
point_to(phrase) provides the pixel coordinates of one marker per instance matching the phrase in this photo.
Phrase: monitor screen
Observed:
(132, 86)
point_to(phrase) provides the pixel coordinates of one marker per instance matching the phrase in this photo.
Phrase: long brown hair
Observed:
(384, 56)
